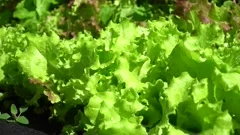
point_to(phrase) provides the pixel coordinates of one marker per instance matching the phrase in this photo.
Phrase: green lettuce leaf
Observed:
(33, 63)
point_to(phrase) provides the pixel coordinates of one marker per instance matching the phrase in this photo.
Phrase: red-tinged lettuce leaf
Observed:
(203, 11)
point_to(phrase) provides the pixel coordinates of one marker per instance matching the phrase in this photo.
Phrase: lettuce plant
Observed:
(131, 80)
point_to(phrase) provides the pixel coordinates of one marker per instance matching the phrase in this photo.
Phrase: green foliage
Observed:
(177, 74)
(15, 115)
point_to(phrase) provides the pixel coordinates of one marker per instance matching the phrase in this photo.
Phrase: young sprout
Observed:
(15, 115)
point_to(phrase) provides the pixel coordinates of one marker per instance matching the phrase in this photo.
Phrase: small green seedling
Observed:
(16, 117)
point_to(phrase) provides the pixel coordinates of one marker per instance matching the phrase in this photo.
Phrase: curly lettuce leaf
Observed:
(33, 63)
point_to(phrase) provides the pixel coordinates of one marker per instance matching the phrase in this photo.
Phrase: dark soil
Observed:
(38, 120)
(16, 129)
(42, 123)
